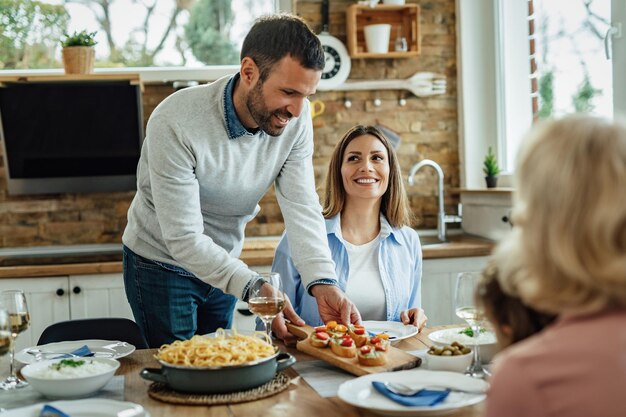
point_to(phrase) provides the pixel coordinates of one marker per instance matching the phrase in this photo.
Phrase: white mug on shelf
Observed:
(377, 38)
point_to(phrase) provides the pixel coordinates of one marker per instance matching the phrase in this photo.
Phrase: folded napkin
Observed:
(81, 351)
(423, 398)
(50, 411)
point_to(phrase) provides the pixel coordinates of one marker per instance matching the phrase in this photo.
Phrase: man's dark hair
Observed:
(276, 36)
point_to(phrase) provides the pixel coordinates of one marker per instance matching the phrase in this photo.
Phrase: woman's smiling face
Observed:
(365, 168)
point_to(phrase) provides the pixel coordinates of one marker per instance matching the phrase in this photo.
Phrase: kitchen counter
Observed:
(256, 252)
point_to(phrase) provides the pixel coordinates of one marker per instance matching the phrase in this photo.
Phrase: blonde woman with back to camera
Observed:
(567, 256)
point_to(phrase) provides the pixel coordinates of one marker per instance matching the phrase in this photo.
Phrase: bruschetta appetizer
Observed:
(319, 339)
(336, 330)
(369, 356)
(343, 346)
(381, 339)
(358, 334)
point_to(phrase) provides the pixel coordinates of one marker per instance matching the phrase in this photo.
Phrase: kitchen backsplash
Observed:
(427, 127)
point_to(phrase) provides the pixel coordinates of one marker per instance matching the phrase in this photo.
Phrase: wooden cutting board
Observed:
(397, 359)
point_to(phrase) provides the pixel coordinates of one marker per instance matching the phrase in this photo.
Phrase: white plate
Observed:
(101, 348)
(84, 408)
(396, 330)
(360, 393)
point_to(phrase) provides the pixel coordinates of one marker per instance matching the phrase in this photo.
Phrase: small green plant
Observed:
(82, 38)
(490, 166)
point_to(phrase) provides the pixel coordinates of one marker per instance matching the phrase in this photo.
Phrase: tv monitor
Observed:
(70, 136)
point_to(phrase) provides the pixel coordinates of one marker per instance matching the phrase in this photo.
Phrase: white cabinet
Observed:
(98, 295)
(438, 281)
(54, 299)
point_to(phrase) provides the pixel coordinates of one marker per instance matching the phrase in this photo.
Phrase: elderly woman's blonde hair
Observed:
(567, 252)
(394, 205)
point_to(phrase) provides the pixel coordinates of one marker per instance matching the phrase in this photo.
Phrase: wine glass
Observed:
(5, 332)
(267, 301)
(466, 308)
(14, 302)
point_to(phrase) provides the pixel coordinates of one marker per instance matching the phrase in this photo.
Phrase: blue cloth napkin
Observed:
(423, 398)
(81, 351)
(50, 411)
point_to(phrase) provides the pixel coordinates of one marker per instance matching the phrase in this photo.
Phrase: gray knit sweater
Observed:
(197, 188)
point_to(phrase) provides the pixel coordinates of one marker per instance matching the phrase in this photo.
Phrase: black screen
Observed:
(71, 129)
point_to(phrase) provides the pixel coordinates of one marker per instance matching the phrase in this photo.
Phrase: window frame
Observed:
(493, 104)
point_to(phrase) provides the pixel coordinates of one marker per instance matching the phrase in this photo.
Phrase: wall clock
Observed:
(337, 67)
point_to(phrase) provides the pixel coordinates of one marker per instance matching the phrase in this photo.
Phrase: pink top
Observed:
(574, 368)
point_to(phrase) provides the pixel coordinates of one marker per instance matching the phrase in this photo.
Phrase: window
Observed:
(498, 41)
(130, 33)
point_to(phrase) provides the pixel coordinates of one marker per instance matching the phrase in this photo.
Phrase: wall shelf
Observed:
(403, 18)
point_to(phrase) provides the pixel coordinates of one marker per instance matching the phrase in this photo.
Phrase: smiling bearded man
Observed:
(210, 154)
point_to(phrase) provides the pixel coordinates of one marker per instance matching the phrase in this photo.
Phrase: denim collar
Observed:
(233, 126)
(333, 227)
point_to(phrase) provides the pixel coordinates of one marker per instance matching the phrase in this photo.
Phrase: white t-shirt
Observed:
(365, 288)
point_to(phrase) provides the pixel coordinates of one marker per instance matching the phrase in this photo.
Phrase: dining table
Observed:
(299, 399)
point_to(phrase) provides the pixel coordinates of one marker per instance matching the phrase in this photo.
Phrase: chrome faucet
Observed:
(442, 219)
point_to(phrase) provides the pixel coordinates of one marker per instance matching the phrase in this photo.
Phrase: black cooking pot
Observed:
(221, 379)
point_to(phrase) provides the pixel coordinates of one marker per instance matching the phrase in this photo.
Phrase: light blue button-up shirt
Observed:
(399, 260)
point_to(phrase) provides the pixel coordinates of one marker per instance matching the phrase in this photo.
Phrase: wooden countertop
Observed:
(256, 252)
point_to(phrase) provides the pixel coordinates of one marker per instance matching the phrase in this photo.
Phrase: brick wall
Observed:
(427, 126)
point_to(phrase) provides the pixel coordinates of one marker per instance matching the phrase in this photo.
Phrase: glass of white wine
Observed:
(467, 309)
(5, 333)
(268, 300)
(14, 302)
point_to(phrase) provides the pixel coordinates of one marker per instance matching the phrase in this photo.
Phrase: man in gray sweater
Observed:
(211, 152)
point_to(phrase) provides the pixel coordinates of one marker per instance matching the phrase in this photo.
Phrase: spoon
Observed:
(401, 389)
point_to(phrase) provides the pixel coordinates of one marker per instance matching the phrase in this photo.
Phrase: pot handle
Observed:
(284, 360)
(153, 374)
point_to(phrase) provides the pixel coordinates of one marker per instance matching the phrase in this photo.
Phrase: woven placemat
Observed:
(163, 392)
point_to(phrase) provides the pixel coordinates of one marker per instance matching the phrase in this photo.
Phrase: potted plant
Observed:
(78, 52)
(491, 169)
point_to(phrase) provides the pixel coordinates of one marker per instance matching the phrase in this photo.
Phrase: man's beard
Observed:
(261, 114)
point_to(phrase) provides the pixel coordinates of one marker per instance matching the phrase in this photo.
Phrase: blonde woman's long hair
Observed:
(394, 205)
(567, 252)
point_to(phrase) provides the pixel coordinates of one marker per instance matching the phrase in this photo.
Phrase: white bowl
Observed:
(488, 344)
(69, 387)
(457, 363)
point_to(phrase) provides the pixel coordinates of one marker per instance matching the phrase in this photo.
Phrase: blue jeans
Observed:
(170, 303)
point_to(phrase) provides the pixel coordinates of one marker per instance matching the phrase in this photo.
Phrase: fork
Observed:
(401, 389)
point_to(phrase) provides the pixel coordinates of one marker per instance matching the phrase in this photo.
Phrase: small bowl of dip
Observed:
(70, 378)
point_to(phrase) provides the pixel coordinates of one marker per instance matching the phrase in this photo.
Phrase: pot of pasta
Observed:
(226, 362)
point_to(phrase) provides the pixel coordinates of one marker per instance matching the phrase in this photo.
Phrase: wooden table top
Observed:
(298, 400)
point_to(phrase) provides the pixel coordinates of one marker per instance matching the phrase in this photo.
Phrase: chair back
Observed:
(109, 328)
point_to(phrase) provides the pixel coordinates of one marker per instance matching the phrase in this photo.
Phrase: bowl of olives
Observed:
(453, 357)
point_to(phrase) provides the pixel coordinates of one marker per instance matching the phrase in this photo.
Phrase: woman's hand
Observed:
(414, 316)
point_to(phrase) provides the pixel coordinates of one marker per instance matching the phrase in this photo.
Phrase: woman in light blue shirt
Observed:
(378, 257)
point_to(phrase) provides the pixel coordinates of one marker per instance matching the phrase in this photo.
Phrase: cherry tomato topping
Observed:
(320, 329)
(322, 335)
(375, 340)
(341, 328)
(331, 324)
(346, 342)
(380, 347)
(359, 331)
(366, 349)
(384, 336)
